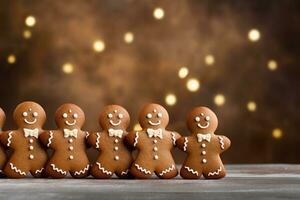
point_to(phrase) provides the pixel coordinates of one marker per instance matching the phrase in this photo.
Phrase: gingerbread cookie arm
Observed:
(133, 138)
(183, 143)
(175, 136)
(7, 138)
(47, 138)
(94, 140)
(224, 143)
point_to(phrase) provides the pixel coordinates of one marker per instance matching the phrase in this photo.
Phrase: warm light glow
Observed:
(30, 21)
(219, 99)
(128, 37)
(170, 99)
(11, 59)
(27, 34)
(277, 133)
(272, 65)
(67, 68)
(158, 13)
(254, 35)
(99, 46)
(251, 106)
(183, 72)
(193, 85)
(137, 127)
(209, 59)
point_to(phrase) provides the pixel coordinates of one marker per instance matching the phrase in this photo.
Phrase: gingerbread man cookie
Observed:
(2, 150)
(28, 155)
(154, 144)
(68, 144)
(203, 146)
(115, 156)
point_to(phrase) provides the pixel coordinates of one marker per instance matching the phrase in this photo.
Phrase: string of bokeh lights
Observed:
(192, 83)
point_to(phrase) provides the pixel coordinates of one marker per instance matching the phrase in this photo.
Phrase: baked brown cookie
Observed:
(68, 143)
(203, 147)
(28, 155)
(115, 156)
(154, 144)
(2, 150)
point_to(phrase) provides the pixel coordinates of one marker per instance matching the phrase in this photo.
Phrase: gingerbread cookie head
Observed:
(69, 116)
(114, 117)
(202, 120)
(2, 118)
(153, 116)
(29, 115)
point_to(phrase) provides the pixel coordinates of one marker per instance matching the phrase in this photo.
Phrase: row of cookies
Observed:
(29, 144)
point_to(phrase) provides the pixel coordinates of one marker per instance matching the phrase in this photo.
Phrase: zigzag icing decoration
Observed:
(87, 134)
(142, 169)
(50, 139)
(98, 140)
(215, 172)
(136, 139)
(58, 170)
(124, 172)
(103, 169)
(82, 171)
(173, 139)
(16, 169)
(191, 170)
(185, 143)
(221, 141)
(39, 170)
(167, 170)
(9, 138)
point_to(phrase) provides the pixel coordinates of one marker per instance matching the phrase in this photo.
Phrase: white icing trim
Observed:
(143, 169)
(191, 170)
(103, 169)
(173, 138)
(167, 170)
(221, 141)
(58, 170)
(39, 170)
(125, 172)
(82, 171)
(9, 138)
(136, 139)
(215, 172)
(87, 134)
(16, 169)
(98, 140)
(50, 139)
(185, 143)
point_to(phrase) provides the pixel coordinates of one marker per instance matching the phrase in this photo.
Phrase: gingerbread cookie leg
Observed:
(124, 173)
(140, 172)
(166, 172)
(189, 171)
(214, 173)
(12, 170)
(82, 172)
(55, 171)
(100, 171)
(39, 172)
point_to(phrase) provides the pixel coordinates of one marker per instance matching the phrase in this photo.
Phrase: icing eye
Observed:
(25, 114)
(65, 115)
(197, 119)
(149, 115)
(207, 118)
(110, 115)
(120, 116)
(159, 115)
(75, 115)
(35, 114)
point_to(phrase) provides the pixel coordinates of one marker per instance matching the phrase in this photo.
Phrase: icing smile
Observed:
(114, 124)
(71, 123)
(205, 126)
(30, 122)
(206, 119)
(154, 123)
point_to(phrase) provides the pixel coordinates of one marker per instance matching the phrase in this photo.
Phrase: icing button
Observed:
(30, 147)
(155, 141)
(30, 140)
(71, 148)
(203, 152)
(155, 157)
(116, 140)
(203, 145)
(31, 156)
(117, 158)
(155, 149)
(71, 157)
(204, 161)
(70, 140)
(116, 148)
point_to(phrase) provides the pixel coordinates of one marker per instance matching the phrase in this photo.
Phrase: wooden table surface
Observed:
(242, 182)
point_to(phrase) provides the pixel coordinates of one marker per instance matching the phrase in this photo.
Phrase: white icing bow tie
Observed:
(31, 132)
(115, 132)
(70, 133)
(155, 133)
(202, 137)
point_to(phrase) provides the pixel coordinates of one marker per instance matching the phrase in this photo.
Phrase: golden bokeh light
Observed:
(30, 21)
(219, 100)
(183, 72)
(251, 106)
(27, 34)
(209, 59)
(277, 133)
(99, 46)
(158, 13)
(68, 68)
(137, 127)
(170, 99)
(193, 84)
(11, 59)
(272, 65)
(128, 37)
(254, 35)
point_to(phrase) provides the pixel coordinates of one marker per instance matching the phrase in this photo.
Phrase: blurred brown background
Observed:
(241, 58)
